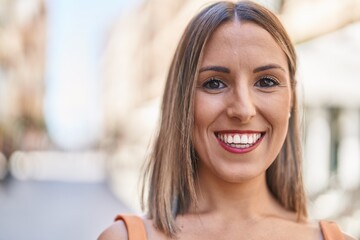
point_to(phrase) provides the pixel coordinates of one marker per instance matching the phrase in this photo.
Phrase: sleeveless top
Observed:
(136, 228)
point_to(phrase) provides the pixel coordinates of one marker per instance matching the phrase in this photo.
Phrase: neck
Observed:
(248, 199)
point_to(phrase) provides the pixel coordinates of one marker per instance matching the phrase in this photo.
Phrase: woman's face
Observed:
(242, 102)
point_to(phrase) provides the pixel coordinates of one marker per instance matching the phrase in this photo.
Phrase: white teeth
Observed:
(250, 139)
(240, 145)
(236, 138)
(244, 139)
(240, 140)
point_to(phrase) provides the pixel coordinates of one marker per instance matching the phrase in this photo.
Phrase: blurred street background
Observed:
(80, 88)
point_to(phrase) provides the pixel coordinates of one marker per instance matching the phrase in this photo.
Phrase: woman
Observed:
(226, 163)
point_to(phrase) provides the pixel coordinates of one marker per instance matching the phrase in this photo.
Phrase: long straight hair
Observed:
(169, 177)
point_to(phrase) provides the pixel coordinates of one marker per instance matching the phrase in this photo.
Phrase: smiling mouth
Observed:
(241, 141)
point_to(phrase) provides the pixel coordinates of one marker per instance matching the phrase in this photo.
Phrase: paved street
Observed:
(39, 210)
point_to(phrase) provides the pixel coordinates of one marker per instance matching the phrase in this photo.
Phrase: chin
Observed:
(240, 176)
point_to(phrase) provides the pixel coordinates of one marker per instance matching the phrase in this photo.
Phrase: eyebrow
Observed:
(227, 70)
(267, 67)
(215, 68)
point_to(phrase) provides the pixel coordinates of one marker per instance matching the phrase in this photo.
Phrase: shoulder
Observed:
(117, 231)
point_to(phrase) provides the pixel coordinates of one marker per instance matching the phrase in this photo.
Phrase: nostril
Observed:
(241, 113)
(241, 107)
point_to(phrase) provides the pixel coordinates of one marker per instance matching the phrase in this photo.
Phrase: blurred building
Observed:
(133, 61)
(22, 47)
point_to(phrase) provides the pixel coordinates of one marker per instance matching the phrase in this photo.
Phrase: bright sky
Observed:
(77, 32)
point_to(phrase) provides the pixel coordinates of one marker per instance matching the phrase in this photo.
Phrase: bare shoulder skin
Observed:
(117, 231)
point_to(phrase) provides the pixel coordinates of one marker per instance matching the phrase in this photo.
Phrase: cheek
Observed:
(275, 110)
(277, 106)
(207, 108)
(199, 112)
(200, 119)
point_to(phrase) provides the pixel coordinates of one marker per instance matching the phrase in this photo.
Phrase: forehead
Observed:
(245, 40)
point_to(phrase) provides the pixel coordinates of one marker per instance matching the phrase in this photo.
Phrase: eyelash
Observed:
(213, 80)
(221, 84)
(274, 81)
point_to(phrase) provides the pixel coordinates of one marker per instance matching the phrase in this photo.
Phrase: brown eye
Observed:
(267, 82)
(214, 84)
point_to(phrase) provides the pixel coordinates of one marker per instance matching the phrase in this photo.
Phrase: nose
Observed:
(241, 106)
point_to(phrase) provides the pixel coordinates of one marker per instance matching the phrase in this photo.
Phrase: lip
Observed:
(239, 150)
(239, 131)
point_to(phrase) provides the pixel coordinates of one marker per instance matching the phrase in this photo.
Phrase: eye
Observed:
(214, 84)
(267, 82)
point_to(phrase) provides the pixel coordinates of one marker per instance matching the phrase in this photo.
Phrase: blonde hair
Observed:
(171, 168)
